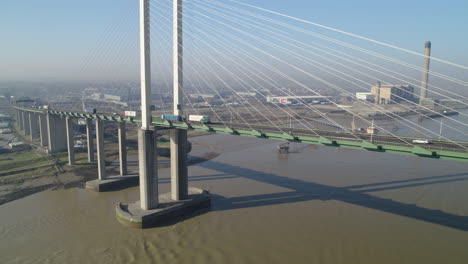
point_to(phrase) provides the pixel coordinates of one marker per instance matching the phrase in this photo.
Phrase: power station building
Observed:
(392, 94)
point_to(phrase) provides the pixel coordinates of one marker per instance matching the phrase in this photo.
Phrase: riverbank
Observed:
(27, 172)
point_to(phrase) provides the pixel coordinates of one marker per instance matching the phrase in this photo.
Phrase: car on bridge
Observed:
(422, 141)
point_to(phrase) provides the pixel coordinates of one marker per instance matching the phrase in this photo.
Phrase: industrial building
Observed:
(392, 94)
(365, 96)
(297, 99)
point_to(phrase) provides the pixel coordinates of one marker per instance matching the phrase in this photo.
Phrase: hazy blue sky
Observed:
(47, 39)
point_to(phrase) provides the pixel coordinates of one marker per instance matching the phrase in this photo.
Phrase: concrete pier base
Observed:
(179, 169)
(113, 183)
(148, 167)
(168, 211)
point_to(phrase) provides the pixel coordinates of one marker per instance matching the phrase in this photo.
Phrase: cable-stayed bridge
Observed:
(228, 49)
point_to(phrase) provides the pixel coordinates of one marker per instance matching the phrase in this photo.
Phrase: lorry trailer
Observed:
(199, 118)
(130, 113)
(172, 117)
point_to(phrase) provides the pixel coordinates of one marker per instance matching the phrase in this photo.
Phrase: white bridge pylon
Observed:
(147, 134)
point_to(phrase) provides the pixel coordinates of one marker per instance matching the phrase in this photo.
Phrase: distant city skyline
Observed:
(55, 39)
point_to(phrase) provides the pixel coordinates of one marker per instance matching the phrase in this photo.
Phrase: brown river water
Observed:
(314, 205)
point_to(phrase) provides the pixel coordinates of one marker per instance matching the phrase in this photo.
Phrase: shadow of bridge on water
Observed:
(356, 194)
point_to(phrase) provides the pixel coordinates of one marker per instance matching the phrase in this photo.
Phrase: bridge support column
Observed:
(61, 136)
(179, 169)
(122, 149)
(33, 126)
(90, 139)
(26, 124)
(20, 120)
(18, 113)
(43, 130)
(51, 133)
(70, 141)
(100, 150)
(111, 182)
(56, 132)
(148, 165)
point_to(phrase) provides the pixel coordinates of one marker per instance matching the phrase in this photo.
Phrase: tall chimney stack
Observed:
(425, 74)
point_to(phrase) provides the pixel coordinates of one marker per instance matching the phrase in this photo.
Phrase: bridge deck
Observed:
(439, 149)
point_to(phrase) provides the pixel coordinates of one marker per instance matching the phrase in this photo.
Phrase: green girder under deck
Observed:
(418, 151)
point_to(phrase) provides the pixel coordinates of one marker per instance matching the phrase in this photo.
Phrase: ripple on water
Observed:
(303, 208)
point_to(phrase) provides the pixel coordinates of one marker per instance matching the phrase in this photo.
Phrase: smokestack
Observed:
(377, 98)
(425, 74)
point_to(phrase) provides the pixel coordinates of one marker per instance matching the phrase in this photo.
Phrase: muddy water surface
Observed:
(315, 205)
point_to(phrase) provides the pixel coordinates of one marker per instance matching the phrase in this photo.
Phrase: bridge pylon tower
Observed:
(148, 168)
(178, 137)
(153, 209)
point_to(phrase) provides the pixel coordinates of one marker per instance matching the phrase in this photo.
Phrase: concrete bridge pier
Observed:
(90, 139)
(179, 169)
(109, 182)
(100, 150)
(154, 209)
(122, 149)
(56, 132)
(70, 141)
(20, 120)
(147, 160)
(43, 130)
(26, 123)
(33, 126)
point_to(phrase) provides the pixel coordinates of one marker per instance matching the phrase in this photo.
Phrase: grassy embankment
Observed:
(17, 167)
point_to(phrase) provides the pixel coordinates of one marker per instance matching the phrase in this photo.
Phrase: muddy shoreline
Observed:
(61, 176)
